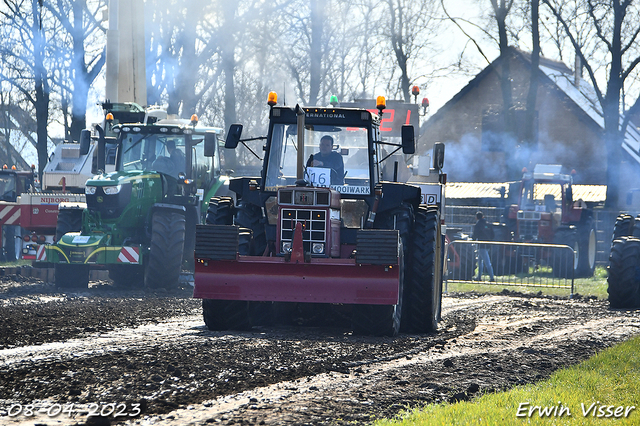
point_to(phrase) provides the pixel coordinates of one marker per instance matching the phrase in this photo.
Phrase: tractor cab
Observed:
(185, 155)
(14, 182)
(545, 204)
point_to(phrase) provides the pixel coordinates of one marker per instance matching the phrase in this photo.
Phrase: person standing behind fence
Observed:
(482, 231)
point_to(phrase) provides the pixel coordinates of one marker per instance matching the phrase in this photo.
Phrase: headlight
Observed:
(286, 247)
(89, 190)
(318, 248)
(111, 190)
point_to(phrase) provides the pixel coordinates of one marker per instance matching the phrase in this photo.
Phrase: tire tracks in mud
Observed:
(315, 375)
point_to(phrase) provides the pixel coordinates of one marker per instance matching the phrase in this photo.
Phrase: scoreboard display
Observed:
(394, 115)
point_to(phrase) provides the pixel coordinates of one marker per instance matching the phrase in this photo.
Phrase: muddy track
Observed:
(152, 351)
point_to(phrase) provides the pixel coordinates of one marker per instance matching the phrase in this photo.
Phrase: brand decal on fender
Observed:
(54, 200)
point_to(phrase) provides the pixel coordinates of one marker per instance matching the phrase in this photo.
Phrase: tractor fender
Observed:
(176, 208)
(241, 187)
(395, 194)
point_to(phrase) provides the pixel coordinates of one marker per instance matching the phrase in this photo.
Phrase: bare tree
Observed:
(614, 30)
(25, 63)
(409, 27)
(82, 31)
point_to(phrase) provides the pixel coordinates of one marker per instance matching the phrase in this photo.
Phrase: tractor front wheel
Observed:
(624, 278)
(424, 289)
(222, 315)
(381, 320)
(69, 220)
(165, 255)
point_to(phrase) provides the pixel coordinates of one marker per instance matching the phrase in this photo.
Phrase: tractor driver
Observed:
(328, 159)
(176, 155)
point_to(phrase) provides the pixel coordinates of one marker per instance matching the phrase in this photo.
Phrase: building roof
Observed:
(583, 96)
(479, 190)
(464, 190)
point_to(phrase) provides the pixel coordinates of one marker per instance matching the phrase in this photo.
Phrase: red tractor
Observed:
(547, 213)
(323, 228)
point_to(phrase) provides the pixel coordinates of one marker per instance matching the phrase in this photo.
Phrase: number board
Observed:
(394, 115)
(319, 176)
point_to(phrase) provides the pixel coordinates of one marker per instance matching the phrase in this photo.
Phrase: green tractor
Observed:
(139, 221)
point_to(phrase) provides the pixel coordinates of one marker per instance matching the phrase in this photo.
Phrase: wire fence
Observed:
(464, 217)
(511, 264)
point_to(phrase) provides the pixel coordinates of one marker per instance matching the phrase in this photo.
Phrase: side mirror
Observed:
(210, 142)
(408, 139)
(233, 136)
(438, 155)
(85, 141)
(102, 148)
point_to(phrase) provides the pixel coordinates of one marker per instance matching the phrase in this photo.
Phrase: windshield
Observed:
(335, 157)
(8, 187)
(157, 152)
(542, 197)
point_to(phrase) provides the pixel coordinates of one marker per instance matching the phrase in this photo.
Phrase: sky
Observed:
(451, 42)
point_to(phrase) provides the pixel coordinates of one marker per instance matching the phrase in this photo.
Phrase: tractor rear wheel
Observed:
(71, 275)
(624, 278)
(69, 220)
(220, 211)
(623, 227)
(222, 315)
(191, 220)
(564, 263)
(165, 254)
(586, 249)
(250, 216)
(636, 227)
(424, 289)
(381, 320)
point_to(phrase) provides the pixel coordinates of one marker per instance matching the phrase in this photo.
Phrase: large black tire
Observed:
(165, 254)
(586, 249)
(381, 320)
(127, 276)
(636, 227)
(222, 315)
(425, 287)
(244, 241)
(10, 233)
(563, 263)
(69, 220)
(72, 276)
(192, 219)
(220, 211)
(624, 275)
(623, 227)
(250, 216)
(400, 218)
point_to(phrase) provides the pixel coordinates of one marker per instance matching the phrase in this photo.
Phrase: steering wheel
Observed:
(164, 165)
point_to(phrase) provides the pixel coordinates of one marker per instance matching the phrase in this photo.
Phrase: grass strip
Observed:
(595, 286)
(601, 390)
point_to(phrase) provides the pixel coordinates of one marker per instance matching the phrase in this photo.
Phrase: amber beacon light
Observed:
(272, 99)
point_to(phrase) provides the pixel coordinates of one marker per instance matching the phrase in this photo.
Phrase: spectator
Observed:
(482, 231)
